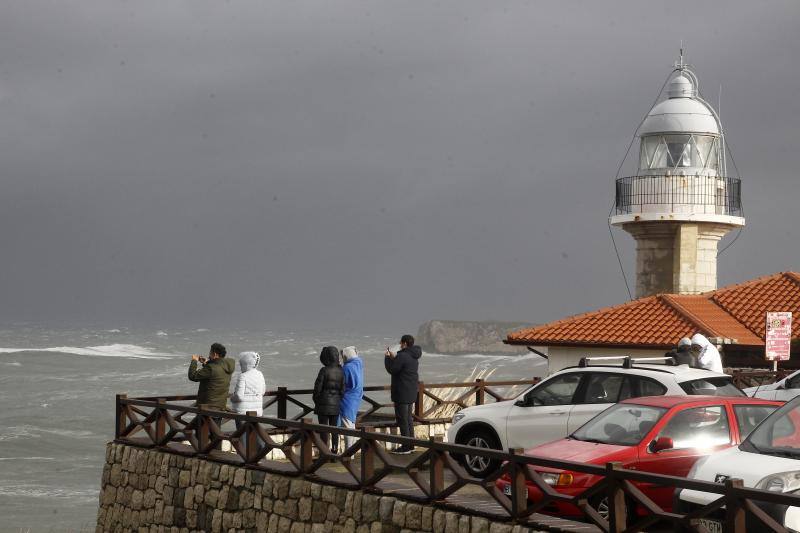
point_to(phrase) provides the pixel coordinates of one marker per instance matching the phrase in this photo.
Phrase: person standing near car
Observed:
(682, 355)
(404, 369)
(328, 390)
(706, 353)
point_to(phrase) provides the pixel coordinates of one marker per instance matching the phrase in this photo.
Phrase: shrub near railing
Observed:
(368, 467)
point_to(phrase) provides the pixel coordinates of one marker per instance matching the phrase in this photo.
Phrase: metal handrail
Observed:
(694, 194)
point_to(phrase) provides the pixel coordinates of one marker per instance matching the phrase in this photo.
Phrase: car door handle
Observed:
(558, 412)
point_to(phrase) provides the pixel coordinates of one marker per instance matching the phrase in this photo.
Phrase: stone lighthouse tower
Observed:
(681, 202)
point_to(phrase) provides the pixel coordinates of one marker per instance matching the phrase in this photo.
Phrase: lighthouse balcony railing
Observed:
(681, 195)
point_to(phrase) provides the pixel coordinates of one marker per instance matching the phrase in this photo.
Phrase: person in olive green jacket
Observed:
(214, 377)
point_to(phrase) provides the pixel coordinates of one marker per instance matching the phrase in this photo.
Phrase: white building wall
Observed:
(564, 356)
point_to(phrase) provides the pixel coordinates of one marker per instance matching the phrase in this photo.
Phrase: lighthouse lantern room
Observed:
(681, 202)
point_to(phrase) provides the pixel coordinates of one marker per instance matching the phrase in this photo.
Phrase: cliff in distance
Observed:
(460, 337)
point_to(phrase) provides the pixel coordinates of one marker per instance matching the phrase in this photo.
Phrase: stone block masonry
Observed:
(146, 490)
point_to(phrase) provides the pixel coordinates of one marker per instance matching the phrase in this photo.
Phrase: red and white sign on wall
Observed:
(779, 336)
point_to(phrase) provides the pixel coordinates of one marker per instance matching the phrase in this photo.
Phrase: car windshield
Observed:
(623, 424)
(720, 386)
(778, 434)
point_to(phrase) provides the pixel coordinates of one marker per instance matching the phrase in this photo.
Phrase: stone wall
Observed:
(147, 490)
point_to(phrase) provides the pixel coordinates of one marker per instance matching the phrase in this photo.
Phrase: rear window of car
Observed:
(711, 387)
(749, 416)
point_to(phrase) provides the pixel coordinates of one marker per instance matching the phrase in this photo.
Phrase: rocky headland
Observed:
(465, 337)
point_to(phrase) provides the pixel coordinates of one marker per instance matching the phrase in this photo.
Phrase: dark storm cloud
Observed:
(359, 162)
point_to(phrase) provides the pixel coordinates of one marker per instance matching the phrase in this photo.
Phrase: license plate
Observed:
(507, 490)
(713, 526)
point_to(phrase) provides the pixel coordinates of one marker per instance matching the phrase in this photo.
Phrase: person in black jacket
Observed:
(328, 390)
(404, 368)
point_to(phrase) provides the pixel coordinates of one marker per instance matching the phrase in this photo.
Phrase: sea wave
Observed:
(131, 351)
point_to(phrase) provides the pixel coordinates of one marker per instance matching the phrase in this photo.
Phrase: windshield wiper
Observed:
(596, 441)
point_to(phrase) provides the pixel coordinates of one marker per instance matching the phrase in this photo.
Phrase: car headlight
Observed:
(457, 417)
(556, 480)
(782, 482)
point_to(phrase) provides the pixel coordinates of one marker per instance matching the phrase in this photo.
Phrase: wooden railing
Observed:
(434, 475)
(435, 402)
(754, 378)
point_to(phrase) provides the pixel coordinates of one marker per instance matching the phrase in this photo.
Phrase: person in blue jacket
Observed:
(353, 391)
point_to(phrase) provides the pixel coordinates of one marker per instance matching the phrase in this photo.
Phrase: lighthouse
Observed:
(681, 201)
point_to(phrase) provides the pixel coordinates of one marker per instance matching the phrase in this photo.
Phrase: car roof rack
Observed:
(627, 360)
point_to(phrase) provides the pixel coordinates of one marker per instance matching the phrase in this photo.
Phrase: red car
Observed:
(659, 434)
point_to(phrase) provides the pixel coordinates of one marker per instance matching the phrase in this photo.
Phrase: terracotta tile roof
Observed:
(734, 312)
(749, 301)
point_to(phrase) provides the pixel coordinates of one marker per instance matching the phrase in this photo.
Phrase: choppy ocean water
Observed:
(57, 389)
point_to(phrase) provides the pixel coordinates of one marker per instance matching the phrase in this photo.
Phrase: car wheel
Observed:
(476, 465)
(601, 506)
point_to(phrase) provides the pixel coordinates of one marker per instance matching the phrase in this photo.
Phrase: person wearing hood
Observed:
(706, 353)
(214, 377)
(248, 393)
(404, 369)
(682, 355)
(353, 391)
(328, 390)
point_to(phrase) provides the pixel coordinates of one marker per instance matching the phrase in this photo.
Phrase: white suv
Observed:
(560, 404)
(768, 459)
(783, 390)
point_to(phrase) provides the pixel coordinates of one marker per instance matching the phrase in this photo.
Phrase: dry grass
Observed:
(452, 393)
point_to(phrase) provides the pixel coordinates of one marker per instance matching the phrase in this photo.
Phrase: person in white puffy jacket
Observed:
(248, 394)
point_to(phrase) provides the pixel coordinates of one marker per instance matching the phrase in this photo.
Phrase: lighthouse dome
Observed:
(682, 112)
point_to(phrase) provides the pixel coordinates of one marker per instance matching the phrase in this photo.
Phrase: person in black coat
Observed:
(404, 369)
(328, 390)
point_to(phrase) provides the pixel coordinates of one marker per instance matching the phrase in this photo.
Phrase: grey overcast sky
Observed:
(357, 163)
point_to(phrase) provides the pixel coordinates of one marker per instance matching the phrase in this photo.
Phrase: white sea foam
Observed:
(161, 333)
(130, 351)
(32, 458)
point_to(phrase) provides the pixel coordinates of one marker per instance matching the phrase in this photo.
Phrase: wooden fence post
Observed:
(367, 457)
(437, 470)
(519, 489)
(282, 396)
(419, 406)
(121, 419)
(306, 445)
(161, 422)
(203, 431)
(734, 511)
(480, 394)
(251, 444)
(617, 513)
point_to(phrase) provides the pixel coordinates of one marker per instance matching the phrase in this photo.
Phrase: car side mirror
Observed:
(783, 385)
(528, 401)
(661, 444)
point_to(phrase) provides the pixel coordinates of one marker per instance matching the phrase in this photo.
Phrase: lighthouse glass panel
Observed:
(679, 151)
